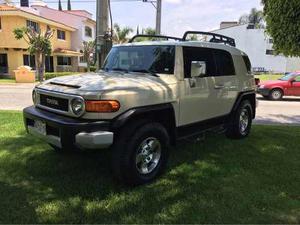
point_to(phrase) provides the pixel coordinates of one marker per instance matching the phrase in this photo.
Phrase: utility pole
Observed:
(102, 43)
(157, 6)
(158, 17)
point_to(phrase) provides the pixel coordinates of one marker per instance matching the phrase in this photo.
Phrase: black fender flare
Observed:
(120, 120)
(251, 95)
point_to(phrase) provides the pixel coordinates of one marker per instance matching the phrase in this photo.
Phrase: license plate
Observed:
(40, 127)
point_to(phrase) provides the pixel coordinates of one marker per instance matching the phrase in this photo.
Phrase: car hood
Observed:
(272, 82)
(95, 82)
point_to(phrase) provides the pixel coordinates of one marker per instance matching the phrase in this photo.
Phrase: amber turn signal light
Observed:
(103, 106)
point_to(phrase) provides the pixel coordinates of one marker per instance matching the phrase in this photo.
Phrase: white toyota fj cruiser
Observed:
(148, 95)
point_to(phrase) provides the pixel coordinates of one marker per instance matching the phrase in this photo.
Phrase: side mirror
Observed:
(198, 68)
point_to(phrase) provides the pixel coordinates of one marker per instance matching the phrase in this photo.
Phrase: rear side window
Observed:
(224, 63)
(204, 55)
(247, 63)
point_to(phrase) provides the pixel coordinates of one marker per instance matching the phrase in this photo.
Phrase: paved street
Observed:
(15, 96)
(281, 112)
(18, 96)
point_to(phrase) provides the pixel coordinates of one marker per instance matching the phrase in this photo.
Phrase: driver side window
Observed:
(297, 79)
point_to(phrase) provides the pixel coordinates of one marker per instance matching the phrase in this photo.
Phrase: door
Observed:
(295, 86)
(49, 64)
(226, 84)
(197, 93)
(3, 64)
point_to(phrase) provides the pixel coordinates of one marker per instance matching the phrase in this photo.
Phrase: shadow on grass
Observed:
(255, 180)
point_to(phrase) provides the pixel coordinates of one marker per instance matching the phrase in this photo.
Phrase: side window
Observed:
(247, 63)
(297, 79)
(224, 63)
(197, 54)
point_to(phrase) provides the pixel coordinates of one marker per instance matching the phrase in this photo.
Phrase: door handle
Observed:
(219, 87)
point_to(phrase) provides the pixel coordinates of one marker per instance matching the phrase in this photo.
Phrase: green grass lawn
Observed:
(256, 180)
(265, 77)
(7, 81)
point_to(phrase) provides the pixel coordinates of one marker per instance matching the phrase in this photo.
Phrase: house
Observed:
(259, 46)
(79, 19)
(14, 53)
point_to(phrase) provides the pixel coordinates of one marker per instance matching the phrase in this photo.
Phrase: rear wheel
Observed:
(241, 121)
(140, 153)
(276, 94)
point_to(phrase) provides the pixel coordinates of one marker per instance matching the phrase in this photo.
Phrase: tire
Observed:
(140, 153)
(276, 94)
(241, 121)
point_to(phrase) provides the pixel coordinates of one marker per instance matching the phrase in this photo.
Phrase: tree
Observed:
(121, 34)
(69, 5)
(283, 25)
(59, 5)
(88, 50)
(255, 17)
(149, 31)
(39, 45)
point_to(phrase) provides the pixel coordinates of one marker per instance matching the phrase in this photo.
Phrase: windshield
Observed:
(288, 76)
(151, 59)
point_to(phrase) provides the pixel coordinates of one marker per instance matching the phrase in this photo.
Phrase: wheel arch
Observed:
(248, 95)
(162, 113)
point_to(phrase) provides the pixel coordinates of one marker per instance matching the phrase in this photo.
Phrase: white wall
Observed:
(255, 42)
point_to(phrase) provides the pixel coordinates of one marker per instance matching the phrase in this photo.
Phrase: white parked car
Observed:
(148, 95)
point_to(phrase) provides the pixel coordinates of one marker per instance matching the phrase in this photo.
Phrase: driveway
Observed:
(18, 96)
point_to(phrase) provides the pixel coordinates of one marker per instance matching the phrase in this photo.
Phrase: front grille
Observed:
(61, 104)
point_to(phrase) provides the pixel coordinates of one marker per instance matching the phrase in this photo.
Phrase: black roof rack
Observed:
(216, 38)
(154, 36)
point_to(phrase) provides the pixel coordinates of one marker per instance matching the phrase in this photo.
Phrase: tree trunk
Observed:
(37, 65)
(40, 65)
(88, 66)
(43, 67)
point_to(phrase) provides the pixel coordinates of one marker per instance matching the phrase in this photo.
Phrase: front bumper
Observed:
(263, 91)
(66, 132)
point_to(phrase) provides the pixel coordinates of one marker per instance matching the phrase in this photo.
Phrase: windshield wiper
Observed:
(145, 71)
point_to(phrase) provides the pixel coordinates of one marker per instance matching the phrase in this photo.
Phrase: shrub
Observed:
(58, 74)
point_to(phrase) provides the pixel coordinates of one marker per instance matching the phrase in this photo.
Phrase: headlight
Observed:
(34, 97)
(77, 105)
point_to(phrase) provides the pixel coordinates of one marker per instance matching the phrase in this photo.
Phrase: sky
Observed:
(177, 15)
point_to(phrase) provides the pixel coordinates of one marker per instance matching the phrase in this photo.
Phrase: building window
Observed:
(61, 35)
(88, 32)
(82, 59)
(271, 41)
(29, 60)
(269, 52)
(64, 61)
(3, 64)
(33, 25)
(0, 24)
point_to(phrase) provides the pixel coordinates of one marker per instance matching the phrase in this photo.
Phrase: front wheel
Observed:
(241, 122)
(140, 153)
(276, 94)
